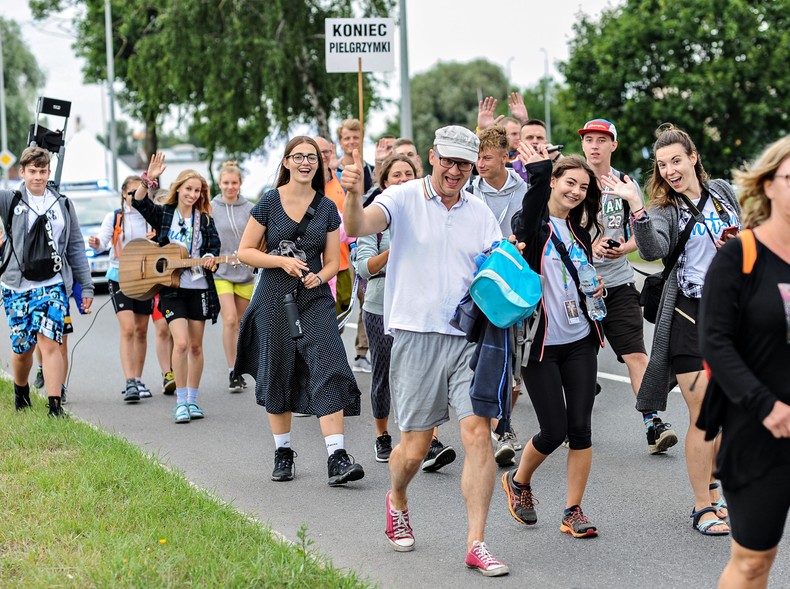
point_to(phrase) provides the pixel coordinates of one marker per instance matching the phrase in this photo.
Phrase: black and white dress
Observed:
(310, 374)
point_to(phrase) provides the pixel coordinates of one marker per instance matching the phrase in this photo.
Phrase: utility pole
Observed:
(405, 82)
(111, 92)
(3, 131)
(546, 93)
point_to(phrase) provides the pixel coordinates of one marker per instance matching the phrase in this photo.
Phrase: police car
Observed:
(92, 201)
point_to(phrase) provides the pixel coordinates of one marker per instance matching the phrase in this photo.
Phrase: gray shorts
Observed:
(429, 372)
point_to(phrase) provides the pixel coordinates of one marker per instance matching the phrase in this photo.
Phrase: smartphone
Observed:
(729, 232)
(612, 243)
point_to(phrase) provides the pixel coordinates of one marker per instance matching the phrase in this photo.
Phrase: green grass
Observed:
(82, 508)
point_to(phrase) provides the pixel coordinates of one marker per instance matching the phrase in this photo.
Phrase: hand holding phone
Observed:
(729, 232)
(611, 243)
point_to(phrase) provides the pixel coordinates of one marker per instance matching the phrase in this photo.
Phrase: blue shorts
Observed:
(39, 310)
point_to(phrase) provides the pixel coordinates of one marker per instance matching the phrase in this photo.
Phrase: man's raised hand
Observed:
(517, 107)
(353, 178)
(485, 113)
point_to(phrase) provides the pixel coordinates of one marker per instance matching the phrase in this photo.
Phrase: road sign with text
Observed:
(348, 39)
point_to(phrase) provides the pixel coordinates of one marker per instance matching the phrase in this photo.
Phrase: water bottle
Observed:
(588, 277)
(292, 315)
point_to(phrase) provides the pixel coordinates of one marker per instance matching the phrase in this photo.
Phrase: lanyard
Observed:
(505, 210)
(570, 250)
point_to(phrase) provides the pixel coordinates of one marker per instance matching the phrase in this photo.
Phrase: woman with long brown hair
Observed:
(289, 341)
(184, 217)
(683, 202)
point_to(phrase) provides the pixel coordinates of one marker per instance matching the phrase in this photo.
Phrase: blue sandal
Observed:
(704, 528)
(721, 503)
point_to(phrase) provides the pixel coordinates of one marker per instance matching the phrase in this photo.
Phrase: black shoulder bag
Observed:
(8, 243)
(650, 298)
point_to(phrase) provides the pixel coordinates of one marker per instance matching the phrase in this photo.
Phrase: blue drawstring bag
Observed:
(505, 288)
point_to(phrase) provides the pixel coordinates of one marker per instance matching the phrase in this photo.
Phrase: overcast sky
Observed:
(510, 33)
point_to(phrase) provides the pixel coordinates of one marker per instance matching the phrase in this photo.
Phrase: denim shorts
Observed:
(39, 310)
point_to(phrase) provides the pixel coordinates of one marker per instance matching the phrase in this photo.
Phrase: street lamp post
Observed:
(3, 132)
(405, 82)
(546, 92)
(111, 91)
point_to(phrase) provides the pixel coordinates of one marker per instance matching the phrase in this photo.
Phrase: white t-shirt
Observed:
(700, 248)
(39, 204)
(182, 234)
(432, 254)
(566, 320)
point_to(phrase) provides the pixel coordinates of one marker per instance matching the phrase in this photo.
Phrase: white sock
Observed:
(282, 440)
(192, 395)
(181, 396)
(230, 370)
(335, 442)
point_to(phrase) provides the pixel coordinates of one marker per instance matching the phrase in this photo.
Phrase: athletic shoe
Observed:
(481, 559)
(342, 468)
(383, 447)
(22, 397)
(243, 382)
(195, 411)
(235, 385)
(398, 530)
(504, 453)
(438, 456)
(145, 392)
(575, 523)
(660, 436)
(63, 397)
(132, 393)
(521, 502)
(168, 383)
(510, 438)
(55, 407)
(361, 364)
(39, 381)
(283, 465)
(182, 413)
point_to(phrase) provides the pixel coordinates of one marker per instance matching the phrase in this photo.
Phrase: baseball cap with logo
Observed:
(456, 142)
(599, 126)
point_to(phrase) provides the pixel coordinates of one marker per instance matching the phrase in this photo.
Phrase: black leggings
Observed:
(571, 368)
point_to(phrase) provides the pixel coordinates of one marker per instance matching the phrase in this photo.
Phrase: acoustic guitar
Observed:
(144, 267)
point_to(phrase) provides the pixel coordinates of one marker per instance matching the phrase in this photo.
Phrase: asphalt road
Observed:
(640, 503)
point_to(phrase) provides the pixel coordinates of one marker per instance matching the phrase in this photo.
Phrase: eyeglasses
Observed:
(447, 163)
(327, 153)
(785, 176)
(298, 158)
(131, 193)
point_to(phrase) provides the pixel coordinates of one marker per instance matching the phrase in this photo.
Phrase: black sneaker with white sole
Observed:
(342, 468)
(283, 465)
(235, 383)
(660, 436)
(438, 456)
(383, 447)
(132, 393)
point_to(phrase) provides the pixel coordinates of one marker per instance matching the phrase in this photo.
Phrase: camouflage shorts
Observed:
(40, 310)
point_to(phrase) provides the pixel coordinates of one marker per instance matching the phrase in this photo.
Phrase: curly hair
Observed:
(657, 189)
(493, 138)
(755, 204)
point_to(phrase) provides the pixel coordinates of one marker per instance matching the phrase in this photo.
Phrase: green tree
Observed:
(717, 68)
(23, 78)
(241, 70)
(447, 94)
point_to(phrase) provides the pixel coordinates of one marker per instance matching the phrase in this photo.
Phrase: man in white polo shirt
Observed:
(436, 230)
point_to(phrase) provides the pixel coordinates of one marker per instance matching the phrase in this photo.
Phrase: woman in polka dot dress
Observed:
(308, 374)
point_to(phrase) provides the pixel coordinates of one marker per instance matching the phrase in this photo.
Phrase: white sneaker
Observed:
(361, 364)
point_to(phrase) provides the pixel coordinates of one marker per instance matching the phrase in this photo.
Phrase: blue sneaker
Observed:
(195, 411)
(182, 413)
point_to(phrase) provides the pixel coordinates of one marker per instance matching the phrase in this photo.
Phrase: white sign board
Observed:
(348, 39)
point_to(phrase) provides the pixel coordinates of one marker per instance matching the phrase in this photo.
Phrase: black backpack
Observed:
(42, 260)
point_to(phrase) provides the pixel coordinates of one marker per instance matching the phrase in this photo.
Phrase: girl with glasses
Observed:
(308, 374)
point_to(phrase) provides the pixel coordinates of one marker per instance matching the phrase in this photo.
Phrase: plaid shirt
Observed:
(160, 217)
(687, 288)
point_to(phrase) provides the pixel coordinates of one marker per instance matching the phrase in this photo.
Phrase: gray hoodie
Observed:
(504, 203)
(75, 263)
(231, 220)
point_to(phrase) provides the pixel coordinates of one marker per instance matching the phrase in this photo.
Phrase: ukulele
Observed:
(144, 267)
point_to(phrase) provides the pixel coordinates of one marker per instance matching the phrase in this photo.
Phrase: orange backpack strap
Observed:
(749, 250)
(116, 234)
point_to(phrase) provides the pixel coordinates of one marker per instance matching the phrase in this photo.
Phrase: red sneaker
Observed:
(481, 559)
(398, 529)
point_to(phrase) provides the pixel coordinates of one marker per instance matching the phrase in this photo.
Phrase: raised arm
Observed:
(359, 221)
